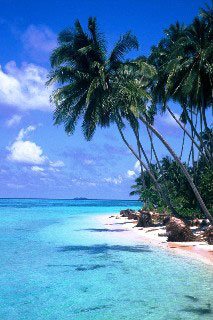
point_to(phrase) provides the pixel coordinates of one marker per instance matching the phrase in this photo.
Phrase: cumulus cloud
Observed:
(39, 41)
(24, 88)
(135, 171)
(14, 120)
(26, 151)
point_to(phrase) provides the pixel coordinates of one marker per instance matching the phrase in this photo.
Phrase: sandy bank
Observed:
(195, 250)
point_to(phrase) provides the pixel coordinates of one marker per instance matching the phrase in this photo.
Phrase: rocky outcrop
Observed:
(144, 219)
(166, 220)
(130, 214)
(208, 235)
(178, 231)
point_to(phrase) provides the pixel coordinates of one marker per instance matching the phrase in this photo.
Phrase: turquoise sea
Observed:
(58, 262)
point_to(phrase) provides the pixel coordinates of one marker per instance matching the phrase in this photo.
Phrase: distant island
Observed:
(80, 198)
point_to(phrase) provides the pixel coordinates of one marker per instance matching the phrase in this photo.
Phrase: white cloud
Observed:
(115, 181)
(39, 41)
(26, 151)
(135, 171)
(130, 173)
(83, 182)
(24, 87)
(23, 132)
(57, 164)
(89, 161)
(169, 120)
(14, 120)
(15, 185)
(137, 166)
(37, 169)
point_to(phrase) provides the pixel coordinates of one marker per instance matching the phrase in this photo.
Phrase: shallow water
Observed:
(58, 262)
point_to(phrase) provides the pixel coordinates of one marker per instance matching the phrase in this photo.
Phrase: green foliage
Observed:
(99, 88)
(181, 194)
(86, 77)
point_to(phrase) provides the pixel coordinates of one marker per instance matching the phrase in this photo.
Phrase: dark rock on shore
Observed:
(178, 231)
(208, 235)
(129, 213)
(144, 219)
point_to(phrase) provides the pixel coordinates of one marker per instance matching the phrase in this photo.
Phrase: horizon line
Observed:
(38, 198)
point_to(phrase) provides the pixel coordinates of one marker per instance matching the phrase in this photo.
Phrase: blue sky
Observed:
(38, 159)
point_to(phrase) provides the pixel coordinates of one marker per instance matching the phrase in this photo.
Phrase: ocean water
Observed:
(58, 262)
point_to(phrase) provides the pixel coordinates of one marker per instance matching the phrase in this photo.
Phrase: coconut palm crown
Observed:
(85, 75)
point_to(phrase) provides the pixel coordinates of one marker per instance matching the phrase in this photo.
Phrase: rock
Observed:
(126, 213)
(204, 223)
(130, 214)
(178, 231)
(144, 219)
(195, 223)
(208, 235)
(166, 220)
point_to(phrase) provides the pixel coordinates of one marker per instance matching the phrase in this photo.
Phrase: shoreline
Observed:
(200, 251)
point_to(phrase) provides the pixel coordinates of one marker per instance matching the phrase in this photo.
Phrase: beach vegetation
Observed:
(98, 88)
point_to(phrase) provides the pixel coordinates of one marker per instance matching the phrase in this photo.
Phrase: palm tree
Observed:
(148, 194)
(101, 89)
(183, 60)
(87, 79)
(84, 73)
(189, 69)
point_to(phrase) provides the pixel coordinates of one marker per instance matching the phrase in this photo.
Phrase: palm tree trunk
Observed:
(153, 148)
(183, 142)
(157, 185)
(187, 133)
(191, 153)
(141, 168)
(160, 169)
(203, 110)
(184, 170)
(202, 145)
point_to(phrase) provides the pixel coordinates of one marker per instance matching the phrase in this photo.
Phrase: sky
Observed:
(37, 159)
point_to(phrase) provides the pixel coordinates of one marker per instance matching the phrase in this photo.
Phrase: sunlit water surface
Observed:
(57, 262)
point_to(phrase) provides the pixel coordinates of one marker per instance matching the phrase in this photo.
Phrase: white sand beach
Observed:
(195, 250)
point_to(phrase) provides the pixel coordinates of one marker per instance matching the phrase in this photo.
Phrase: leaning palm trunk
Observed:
(202, 145)
(156, 183)
(189, 135)
(191, 153)
(153, 148)
(184, 170)
(141, 169)
(164, 190)
(160, 169)
(183, 142)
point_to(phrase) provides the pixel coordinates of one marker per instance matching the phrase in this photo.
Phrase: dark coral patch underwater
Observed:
(104, 248)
